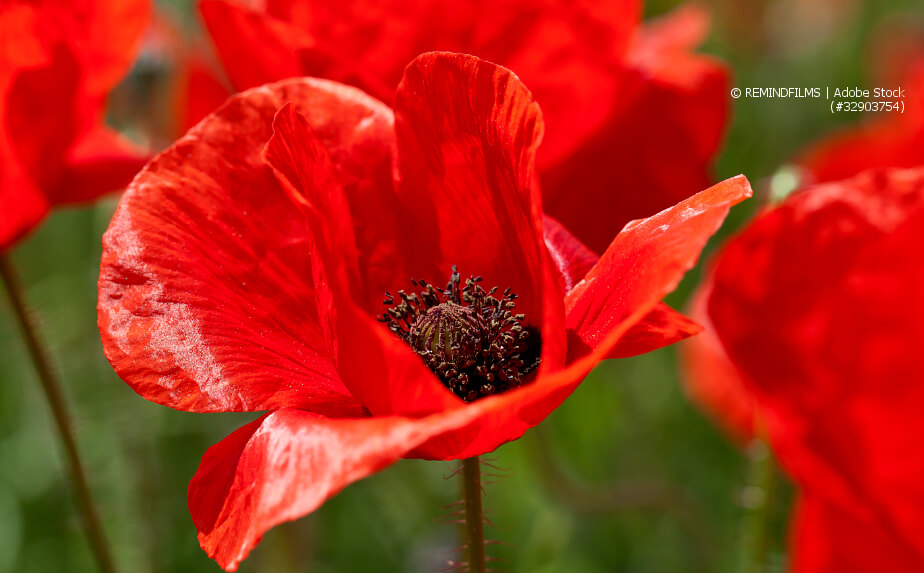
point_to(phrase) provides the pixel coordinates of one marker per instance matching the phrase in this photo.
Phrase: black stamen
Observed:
(469, 338)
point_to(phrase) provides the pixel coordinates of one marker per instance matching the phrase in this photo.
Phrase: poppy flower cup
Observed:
(816, 309)
(58, 63)
(384, 283)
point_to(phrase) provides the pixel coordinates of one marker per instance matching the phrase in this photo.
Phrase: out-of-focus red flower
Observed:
(58, 61)
(891, 139)
(633, 116)
(818, 308)
(246, 267)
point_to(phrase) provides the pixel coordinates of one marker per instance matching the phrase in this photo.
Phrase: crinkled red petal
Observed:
(285, 465)
(648, 256)
(467, 134)
(378, 368)
(663, 326)
(571, 257)
(206, 296)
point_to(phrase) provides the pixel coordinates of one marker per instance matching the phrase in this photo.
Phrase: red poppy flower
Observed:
(620, 101)
(59, 60)
(891, 138)
(818, 307)
(246, 267)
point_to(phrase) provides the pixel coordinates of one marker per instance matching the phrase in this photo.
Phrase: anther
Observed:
(470, 339)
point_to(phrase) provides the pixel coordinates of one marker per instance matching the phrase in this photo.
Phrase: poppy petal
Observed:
(571, 257)
(648, 256)
(285, 465)
(467, 134)
(390, 378)
(206, 297)
(662, 327)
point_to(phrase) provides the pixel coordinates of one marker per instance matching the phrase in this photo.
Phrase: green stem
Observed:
(55, 398)
(756, 498)
(474, 518)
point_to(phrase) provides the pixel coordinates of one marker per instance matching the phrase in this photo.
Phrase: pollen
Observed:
(469, 337)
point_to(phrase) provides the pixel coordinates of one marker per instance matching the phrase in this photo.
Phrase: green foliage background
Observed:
(625, 477)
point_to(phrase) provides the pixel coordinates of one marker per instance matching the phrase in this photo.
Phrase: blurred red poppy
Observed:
(58, 62)
(246, 267)
(818, 309)
(634, 117)
(890, 138)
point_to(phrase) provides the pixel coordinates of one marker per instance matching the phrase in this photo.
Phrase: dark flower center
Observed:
(468, 337)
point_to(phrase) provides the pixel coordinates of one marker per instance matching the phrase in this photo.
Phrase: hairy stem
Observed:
(756, 498)
(474, 518)
(52, 389)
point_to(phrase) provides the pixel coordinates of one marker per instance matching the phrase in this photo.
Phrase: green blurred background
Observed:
(625, 477)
